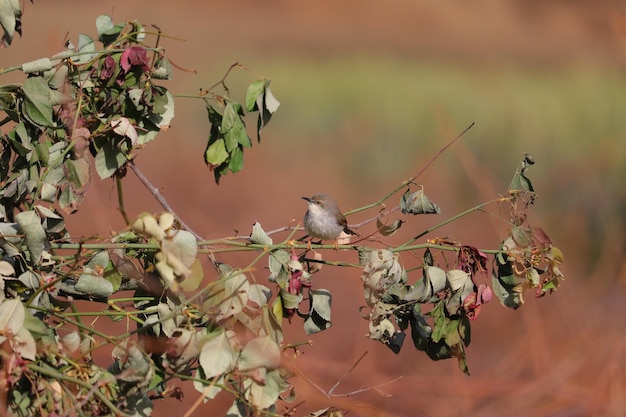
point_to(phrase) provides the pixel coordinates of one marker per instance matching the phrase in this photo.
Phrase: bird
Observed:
(324, 220)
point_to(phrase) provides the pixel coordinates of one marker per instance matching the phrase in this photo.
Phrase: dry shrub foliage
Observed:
(97, 103)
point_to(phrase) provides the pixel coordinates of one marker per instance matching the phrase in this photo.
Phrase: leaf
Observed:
(193, 281)
(418, 203)
(260, 294)
(388, 230)
(255, 89)
(232, 126)
(163, 119)
(267, 105)
(6, 269)
(37, 101)
(85, 44)
(319, 315)
(426, 289)
(261, 352)
(123, 127)
(24, 344)
(109, 159)
(208, 389)
(71, 341)
(457, 278)
(183, 245)
(508, 296)
(259, 236)
(12, 315)
(228, 296)
(216, 153)
(94, 286)
(107, 31)
(98, 262)
(237, 409)
(10, 16)
(217, 355)
(30, 225)
(264, 395)
(236, 160)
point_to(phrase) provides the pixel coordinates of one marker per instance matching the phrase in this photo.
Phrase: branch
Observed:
(163, 202)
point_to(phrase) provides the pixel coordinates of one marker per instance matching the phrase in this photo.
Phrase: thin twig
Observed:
(330, 392)
(163, 202)
(404, 183)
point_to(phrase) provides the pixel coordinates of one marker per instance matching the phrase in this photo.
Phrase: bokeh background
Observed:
(370, 91)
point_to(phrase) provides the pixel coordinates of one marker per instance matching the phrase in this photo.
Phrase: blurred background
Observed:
(369, 92)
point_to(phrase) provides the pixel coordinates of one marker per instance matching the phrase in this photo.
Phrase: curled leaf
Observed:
(418, 203)
(389, 229)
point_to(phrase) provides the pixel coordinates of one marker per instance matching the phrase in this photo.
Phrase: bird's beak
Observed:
(306, 199)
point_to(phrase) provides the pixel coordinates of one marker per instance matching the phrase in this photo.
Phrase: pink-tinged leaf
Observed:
(108, 68)
(485, 293)
(542, 238)
(135, 56)
(123, 127)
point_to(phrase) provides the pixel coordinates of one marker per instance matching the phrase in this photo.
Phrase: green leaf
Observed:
(107, 31)
(267, 105)
(109, 159)
(164, 111)
(10, 15)
(216, 153)
(255, 89)
(236, 160)
(261, 352)
(217, 355)
(232, 126)
(37, 101)
(94, 286)
(507, 295)
(30, 224)
(319, 315)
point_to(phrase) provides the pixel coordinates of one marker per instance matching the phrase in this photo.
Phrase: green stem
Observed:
(120, 199)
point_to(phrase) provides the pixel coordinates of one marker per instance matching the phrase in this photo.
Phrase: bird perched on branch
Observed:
(324, 220)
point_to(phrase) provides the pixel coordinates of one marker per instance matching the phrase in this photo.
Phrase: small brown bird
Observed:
(323, 219)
